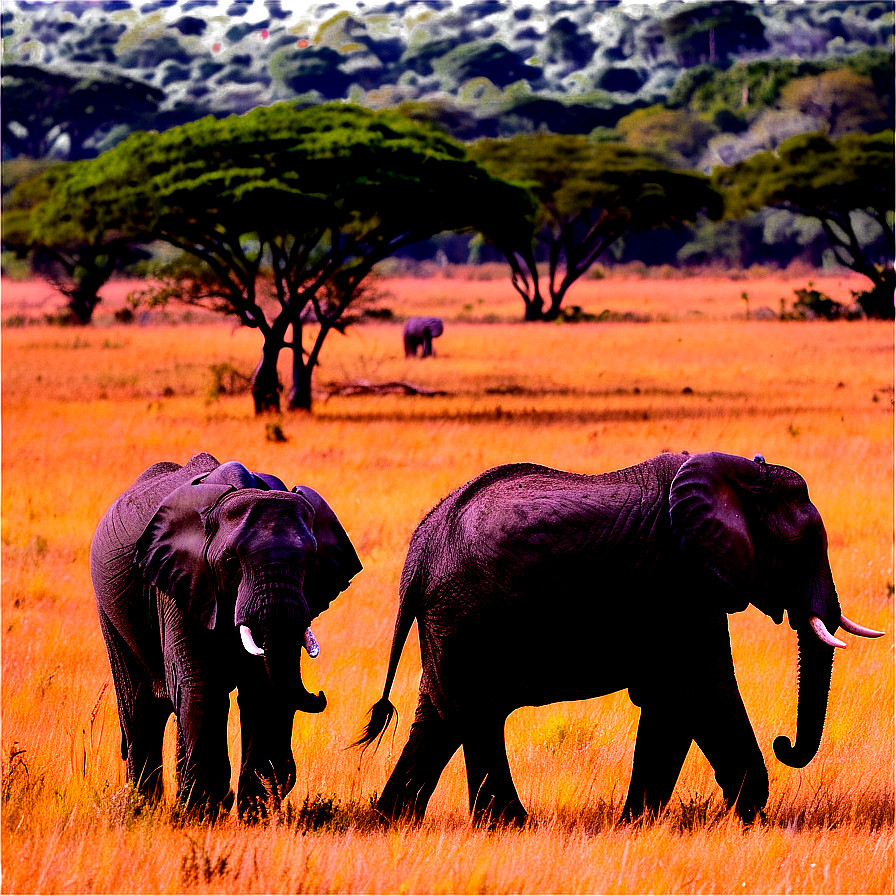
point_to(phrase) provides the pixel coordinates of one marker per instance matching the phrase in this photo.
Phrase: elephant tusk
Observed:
(823, 634)
(249, 641)
(855, 629)
(311, 644)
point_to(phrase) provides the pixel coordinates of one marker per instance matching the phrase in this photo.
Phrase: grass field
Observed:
(85, 411)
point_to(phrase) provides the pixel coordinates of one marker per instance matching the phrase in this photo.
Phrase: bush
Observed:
(812, 303)
(877, 302)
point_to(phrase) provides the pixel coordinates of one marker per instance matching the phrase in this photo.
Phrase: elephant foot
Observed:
(206, 808)
(396, 806)
(511, 815)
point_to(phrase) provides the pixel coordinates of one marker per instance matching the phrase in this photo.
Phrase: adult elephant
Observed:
(626, 580)
(207, 577)
(419, 332)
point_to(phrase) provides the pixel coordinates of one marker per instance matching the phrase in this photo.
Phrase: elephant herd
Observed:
(208, 576)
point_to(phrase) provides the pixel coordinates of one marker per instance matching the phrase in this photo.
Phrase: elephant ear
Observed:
(235, 474)
(267, 481)
(232, 473)
(171, 552)
(707, 510)
(335, 562)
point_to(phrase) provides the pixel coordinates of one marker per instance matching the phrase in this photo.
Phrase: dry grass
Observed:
(85, 411)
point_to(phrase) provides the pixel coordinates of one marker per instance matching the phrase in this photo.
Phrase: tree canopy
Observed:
(76, 260)
(286, 212)
(220, 58)
(588, 194)
(832, 181)
(486, 69)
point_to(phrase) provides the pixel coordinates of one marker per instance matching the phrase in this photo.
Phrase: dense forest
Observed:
(702, 85)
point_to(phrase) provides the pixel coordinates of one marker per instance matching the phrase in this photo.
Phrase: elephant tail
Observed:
(382, 712)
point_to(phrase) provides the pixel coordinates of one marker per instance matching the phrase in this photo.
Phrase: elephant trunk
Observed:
(282, 660)
(815, 664)
(271, 602)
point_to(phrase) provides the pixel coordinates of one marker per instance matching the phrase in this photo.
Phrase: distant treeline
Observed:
(483, 69)
(701, 85)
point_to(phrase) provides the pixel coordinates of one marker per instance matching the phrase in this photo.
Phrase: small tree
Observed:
(295, 206)
(832, 181)
(587, 195)
(840, 101)
(75, 258)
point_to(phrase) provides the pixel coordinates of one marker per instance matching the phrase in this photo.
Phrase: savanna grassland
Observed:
(86, 410)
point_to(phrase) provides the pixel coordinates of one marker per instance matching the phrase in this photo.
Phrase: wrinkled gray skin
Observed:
(185, 556)
(419, 332)
(531, 585)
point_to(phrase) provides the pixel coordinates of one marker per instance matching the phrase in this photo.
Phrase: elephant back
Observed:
(416, 326)
(136, 506)
(112, 550)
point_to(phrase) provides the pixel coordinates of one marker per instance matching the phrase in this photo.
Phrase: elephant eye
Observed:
(230, 564)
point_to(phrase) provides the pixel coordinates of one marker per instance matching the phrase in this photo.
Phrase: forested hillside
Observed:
(485, 68)
(701, 85)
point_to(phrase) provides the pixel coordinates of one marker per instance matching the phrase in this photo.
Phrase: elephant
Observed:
(207, 577)
(420, 331)
(625, 581)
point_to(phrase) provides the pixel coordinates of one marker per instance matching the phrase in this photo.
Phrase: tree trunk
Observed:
(265, 381)
(300, 393)
(878, 301)
(82, 300)
(533, 311)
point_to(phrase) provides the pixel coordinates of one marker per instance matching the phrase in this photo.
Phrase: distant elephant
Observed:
(420, 331)
(194, 567)
(622, 580)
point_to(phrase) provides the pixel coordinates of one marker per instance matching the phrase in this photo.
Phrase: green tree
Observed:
(676, 134)
(587, 195)
(832, 181)
(840, 101)
(286, 212)
(75, 259)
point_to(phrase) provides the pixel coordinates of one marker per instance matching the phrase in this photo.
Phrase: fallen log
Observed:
(395, 387)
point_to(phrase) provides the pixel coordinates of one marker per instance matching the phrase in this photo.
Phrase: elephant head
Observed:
(236, 548)
(753, 526)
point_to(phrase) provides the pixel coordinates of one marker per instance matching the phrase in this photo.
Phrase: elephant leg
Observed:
(267, 767)
(724, 734)
(145, 736)
(493, 796)
(142, 715)
(431, 744)
(181, 758)
(205, 770)
(660, 750)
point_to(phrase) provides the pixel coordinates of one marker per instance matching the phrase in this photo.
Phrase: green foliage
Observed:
(216, 62)
(816, 303)
(65, 248)
(453, 65)
(830, 180)
(323, 812)
(273, 432)
(226, 380)
(588, 194)
(749, 87)
(841, 101)
(676, 135)
(283, 206)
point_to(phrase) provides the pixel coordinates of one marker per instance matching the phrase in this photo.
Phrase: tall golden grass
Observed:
(85, 411)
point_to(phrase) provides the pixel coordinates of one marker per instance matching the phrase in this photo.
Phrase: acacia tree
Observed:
(587, 195)
(832, 181)
(77, 260)
(297, 205)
